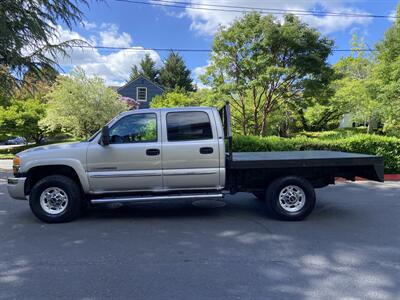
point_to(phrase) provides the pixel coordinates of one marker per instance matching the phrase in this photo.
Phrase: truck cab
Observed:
(159, 150)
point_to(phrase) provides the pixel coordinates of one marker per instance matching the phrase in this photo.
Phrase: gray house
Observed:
(140, 89)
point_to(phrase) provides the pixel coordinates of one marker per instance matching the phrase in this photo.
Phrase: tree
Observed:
(147, 69)
(352, 91)
(22, 118)
(81, 105)
(386, 75)
(175, 75)
(27, 32)
(181, 98)
(259, 63)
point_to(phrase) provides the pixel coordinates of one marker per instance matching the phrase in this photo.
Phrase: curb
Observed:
(392, 177)
(387, 177)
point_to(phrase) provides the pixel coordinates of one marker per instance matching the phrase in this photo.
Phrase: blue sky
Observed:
(121, 24)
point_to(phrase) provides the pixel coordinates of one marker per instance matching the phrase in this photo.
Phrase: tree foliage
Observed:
(22, 118)
(27, 30)
(147, 68)
(81, 105)
(181, 98)
(259, 63)
(386, 75)
(175, 75)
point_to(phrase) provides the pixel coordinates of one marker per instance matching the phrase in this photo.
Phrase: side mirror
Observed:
(105, 136)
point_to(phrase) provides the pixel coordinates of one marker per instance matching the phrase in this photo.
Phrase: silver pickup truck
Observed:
(166, 154)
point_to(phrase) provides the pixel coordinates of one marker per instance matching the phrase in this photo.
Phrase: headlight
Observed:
(16, 164)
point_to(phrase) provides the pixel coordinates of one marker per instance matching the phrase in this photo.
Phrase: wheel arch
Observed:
(35, 173)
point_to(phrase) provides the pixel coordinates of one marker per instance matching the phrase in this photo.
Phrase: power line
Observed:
(281, 10)
(187, 49)
(244, 9)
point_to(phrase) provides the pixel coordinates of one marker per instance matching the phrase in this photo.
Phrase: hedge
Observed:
(388, 147)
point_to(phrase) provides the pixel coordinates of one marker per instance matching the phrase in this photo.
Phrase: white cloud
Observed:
(392, 15)
(114, 67)
(206, 22)
(196, 73)
(110, 37)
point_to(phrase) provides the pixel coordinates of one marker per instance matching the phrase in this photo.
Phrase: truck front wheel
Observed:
(290, 198)
(56, 199)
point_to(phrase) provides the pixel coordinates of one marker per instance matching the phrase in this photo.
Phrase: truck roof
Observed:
(174, 109)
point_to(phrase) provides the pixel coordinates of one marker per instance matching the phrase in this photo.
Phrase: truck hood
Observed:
(70, 154)
(54, 150)
(52, 147)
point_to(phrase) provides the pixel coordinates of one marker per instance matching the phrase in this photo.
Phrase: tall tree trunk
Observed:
(369, 124)
(303, 120)
(264, 122)
(255, 112)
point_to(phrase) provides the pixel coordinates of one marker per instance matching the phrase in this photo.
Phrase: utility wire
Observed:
(281, 10)
(188, 49)
(244, 9)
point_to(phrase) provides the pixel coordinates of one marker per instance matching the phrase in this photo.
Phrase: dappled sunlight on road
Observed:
(349, 248)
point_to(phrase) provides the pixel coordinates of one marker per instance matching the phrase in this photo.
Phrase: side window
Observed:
(136, 128)
(188, 126)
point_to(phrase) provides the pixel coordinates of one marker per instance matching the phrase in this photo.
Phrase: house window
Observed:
(141, 94)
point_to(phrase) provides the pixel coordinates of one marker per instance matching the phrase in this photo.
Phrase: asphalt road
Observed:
(349, 248)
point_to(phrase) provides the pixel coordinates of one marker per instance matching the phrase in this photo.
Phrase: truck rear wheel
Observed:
(56, 199)
(290, 198)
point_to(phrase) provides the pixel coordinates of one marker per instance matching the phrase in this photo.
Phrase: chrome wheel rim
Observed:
(292, 198)
(53, 200)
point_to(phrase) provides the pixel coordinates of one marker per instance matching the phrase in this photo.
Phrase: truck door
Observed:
(132, 161)
(190, 150)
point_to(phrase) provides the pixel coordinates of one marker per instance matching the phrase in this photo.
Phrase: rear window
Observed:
(188, 126)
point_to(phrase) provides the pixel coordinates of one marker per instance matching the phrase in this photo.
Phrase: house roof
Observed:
(114, 87)
(140, 77)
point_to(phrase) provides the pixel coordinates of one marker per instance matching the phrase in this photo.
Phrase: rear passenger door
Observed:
(190, 150)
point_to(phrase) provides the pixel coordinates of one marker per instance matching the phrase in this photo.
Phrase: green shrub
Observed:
(388, 147)
(333, 134)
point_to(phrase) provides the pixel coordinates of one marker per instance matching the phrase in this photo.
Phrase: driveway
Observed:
(349, 248)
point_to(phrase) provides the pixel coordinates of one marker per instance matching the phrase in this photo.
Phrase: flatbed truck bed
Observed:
(320, 167)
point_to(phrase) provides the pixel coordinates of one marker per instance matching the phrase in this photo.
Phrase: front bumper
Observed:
(16, 187)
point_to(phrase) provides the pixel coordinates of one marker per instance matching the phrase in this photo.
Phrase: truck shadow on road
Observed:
(348, 248)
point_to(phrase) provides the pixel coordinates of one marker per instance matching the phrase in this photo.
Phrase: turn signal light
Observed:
(16, 164)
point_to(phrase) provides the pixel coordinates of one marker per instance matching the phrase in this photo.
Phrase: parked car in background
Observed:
(15, 141)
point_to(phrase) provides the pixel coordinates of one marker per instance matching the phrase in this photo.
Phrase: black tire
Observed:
(275, 206)
(73, 207)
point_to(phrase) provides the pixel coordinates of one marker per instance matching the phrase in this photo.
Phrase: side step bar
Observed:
(154, 198)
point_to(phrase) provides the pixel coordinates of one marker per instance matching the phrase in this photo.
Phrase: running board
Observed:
(154, 198)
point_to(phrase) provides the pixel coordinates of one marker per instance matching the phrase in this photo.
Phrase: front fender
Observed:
(75, 164)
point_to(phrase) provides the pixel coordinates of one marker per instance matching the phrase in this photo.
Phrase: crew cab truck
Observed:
(167, 154)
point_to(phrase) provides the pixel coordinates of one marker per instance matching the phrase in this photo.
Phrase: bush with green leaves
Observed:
(80, 105)
(22, 118)
(388, 147)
